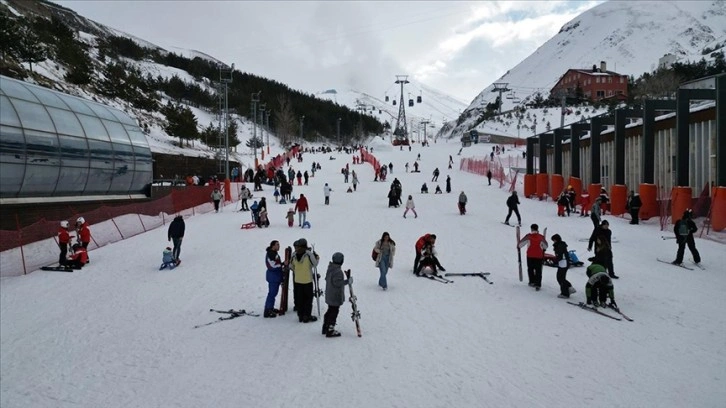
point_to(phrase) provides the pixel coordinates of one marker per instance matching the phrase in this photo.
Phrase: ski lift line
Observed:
(266, 48)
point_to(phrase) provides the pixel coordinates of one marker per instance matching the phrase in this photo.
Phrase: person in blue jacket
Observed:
(273, 276)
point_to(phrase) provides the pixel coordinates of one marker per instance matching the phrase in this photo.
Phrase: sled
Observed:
(249, 225)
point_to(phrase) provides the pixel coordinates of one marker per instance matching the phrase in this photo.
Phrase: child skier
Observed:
(335, 283)
(167, 259)
(600, 286)
(563, 263)
(290, 217)
(410, 206)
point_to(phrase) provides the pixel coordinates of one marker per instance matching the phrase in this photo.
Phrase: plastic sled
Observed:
(248, 225)
(306, 224)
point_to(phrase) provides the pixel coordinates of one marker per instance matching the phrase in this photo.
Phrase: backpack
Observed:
(683, 228)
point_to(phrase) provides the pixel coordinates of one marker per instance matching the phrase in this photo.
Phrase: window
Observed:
(600, 94)
(33, 116)
(597, 80)
(610, 80)
(622, 80)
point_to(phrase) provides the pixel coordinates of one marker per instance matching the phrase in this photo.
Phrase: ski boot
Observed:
(332, 332)
(269, 313)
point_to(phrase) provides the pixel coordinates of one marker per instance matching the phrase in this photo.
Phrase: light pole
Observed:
(302, 119)
(262, 127)
(255, 98)
(267, 117)
(226, 82)
(340, 142)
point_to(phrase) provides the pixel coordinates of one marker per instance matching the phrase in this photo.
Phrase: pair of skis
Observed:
(483, 275)
(59, 269)
(285, 281)
(436, 278)
(698, 265)
(355, 314)
(594, 309)
(231, 314)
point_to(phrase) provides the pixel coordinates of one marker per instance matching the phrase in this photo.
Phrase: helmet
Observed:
(81, 220)
(338, 258)
(64, 224)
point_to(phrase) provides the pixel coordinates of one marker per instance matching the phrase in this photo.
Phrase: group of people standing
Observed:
(78, 256)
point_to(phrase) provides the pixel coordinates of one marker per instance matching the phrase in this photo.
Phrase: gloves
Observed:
(350, 280)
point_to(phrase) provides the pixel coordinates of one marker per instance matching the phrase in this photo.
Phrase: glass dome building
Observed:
(54, 146)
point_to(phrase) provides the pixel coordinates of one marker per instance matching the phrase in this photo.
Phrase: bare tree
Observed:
(285, 119)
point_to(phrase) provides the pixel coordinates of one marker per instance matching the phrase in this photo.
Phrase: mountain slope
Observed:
(629, 36)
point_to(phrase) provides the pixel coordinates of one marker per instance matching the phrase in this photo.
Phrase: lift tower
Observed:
(401, 132)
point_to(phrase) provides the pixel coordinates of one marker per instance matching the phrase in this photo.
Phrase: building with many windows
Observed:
(57, 147)
(594, 84)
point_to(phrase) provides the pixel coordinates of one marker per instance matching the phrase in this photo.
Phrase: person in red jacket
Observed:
(425, 240)
(535, 255)
(84, 233)
(79, 257)
(301, 206)
(64, 238)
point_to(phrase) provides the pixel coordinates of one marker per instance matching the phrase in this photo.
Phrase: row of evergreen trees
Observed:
(36, 38)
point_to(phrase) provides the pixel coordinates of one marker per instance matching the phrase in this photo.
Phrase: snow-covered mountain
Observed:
(436, 107)
(629, 36)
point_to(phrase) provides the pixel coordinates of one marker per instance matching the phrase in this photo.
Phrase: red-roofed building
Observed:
(596, 83)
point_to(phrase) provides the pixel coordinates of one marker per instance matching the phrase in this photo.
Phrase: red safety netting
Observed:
(369, 158)
(503, 172)
(28, 248)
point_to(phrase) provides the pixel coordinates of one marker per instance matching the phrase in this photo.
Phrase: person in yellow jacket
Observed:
(302, 263)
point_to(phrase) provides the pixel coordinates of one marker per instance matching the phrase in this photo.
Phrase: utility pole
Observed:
(340, 142)
(262, 128)
(255, 97)
(267, 117)
(500, 87)
(302, 119)
(226, 81)
(401, 131)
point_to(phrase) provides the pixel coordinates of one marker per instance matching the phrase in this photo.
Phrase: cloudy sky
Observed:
(456, 47)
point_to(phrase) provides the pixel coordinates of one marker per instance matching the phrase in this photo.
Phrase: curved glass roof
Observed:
(54, 145)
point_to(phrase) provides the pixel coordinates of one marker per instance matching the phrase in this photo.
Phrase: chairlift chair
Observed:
(418, 98)
(394, 102)
(386, 98)
(410, 102)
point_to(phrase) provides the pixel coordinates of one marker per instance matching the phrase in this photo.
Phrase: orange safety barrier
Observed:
(649, 197)
(576, 184)
(594, 191)
(542, 184)
(618, 199)
(530, 185)
(681, 198)
(227, 190)
(557, 182)
(718, 209)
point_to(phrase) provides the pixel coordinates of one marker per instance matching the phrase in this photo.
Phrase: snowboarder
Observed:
(633, 205)
(448, 184)
(175, 234)
(327, 190)
(64, 239)
(385, 248)
(335, 284)
(301, 206)
(302, 264)
(563, 263)
(601, 238)
(410, 206)
(216, 197)
(512, 203)
(684, 230)
(462, 203)
(599, 285)
(273, 277)
(537, 244)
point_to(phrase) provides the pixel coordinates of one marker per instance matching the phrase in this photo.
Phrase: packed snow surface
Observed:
(119, 333)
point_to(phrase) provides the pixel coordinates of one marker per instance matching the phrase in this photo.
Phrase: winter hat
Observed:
(302, 242)
(290, 210)
(557, 237)
(604, 222)
(338, 258)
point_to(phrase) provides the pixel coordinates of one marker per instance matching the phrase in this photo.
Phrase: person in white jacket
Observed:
(410, 206)
(386, 250)
(326, 191)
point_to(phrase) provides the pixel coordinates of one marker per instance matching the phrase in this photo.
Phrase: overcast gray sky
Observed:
(456, 47)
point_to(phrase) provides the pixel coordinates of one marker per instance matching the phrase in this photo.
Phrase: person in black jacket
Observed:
(684, 229)
(512, 203)
(602, 239)
(563, 263)
(634, 204)
(176, 234)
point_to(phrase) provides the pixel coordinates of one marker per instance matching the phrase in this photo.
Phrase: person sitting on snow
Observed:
(429, 261)
(167, 259)
(424, 189)
(78, 258)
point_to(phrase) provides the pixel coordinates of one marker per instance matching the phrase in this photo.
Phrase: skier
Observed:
(273, 277)
(354, 180)
(462, 203)
(684, 230)
(633, 205)
(64, 238)
(335, 283)
(448, 184)
(326, 191)
(562, 257)
(489, 177)
(216, 197)
(301, 206)
(595, 212)
(167, 259)
(176, 235)
(244, 194)
(601, 238)
(436, 175)
(426, 239)
(385, 248)
(429, 261)
(410, 206)
(599, 285)
(302, 263)
(84, 233)
(512, 203)
(535, 255)
(78, 258)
